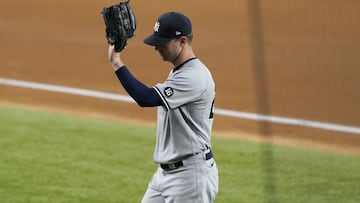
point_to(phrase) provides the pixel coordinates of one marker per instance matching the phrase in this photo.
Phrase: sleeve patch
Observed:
(168, 92)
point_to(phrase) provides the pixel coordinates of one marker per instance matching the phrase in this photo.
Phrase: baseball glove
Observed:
(120, 24)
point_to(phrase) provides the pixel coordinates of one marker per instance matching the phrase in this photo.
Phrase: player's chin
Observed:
(165, 58)
(168, 58)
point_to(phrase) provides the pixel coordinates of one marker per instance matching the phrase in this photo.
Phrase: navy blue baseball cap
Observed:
(167, 27)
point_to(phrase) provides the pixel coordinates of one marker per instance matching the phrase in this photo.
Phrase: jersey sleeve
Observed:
(181, 87)
(143, 95)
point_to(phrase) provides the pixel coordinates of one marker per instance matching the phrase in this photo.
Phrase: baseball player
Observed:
(187, 170)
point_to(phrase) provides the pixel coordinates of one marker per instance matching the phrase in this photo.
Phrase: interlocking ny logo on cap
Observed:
(156, 27)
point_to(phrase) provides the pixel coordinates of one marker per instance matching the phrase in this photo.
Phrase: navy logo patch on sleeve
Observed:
(168, 92)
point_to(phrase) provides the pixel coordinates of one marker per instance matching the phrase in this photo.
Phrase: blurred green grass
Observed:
(47, 157)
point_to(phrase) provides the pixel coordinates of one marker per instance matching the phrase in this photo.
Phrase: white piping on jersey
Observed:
(166, 105)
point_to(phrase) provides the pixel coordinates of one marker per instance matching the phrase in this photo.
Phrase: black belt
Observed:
(179, 164)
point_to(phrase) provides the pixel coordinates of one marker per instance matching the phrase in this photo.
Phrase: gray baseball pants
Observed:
(195, 182)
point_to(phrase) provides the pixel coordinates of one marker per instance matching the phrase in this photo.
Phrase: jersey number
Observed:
(212, 110)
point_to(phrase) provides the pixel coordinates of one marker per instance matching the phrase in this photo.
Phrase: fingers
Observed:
(114, 58)
(112, 53)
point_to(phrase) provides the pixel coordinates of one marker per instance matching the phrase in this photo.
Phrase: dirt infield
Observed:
(296, 59)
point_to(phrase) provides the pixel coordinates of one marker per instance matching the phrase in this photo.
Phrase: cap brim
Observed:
(154, 40)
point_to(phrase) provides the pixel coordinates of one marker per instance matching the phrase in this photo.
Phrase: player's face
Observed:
(170, 51)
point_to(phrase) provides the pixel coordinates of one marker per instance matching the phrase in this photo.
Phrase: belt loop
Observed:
(208, 154)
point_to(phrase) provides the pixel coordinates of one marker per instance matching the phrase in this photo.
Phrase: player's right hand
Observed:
(114, 58)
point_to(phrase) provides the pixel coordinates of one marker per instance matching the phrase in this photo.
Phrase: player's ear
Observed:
(183, 40)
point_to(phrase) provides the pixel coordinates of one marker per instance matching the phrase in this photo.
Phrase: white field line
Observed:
(218, 111)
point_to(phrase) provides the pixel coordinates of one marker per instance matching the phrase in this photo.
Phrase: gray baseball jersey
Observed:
(185, 120)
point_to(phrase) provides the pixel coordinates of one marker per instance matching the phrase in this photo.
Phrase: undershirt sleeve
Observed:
(143, 95)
